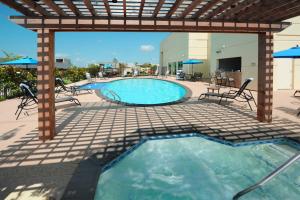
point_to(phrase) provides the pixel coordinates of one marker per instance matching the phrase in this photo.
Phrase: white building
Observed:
(62, 63)
(232, 52)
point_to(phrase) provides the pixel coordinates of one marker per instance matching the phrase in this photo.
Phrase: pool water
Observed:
(198, 169)
(143, 91)
(93, 86)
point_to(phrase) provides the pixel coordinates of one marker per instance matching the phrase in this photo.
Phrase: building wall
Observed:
(174, 49)
(224, 45)
(213, 46)
(182, 46)
(288, 38)
(197, 49)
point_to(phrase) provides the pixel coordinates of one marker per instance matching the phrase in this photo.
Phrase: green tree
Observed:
(93, 69)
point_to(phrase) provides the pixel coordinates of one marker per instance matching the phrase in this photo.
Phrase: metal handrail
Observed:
(267, 178)
(113, 94)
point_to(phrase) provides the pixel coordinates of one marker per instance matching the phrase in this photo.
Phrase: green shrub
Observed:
(11, 77)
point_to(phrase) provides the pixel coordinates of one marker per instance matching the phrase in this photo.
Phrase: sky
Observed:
(82, 47)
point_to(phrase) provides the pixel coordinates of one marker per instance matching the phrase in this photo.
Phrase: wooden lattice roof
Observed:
(267, 11)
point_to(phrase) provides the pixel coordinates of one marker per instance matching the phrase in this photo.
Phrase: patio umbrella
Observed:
(107, 66)
(192, 62)
(293, 52)
(27, 62)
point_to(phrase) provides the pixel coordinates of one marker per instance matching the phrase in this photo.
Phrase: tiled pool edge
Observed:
(115, 161)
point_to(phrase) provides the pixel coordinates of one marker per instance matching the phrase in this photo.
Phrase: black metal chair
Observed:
(61, 87)
(198, 76)
(238, 95)
(29, 100)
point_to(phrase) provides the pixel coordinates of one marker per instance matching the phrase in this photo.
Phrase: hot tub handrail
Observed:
(267, 178)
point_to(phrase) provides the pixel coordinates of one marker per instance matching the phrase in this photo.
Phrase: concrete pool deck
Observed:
(91, 135)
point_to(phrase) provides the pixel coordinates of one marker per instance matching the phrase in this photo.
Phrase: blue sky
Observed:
(82, 48)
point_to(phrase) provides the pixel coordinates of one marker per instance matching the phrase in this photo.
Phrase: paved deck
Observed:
(91, 135)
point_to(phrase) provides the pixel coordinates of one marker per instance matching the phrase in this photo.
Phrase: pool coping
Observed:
(186, 97)
(287, 141)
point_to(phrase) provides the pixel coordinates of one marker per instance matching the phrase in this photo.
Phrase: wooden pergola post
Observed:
(265, 77)
(46, 84)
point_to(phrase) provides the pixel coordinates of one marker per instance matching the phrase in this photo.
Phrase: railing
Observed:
(266, 179)
(115, 95)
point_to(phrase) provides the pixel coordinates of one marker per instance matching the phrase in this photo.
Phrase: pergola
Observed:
(261, 17)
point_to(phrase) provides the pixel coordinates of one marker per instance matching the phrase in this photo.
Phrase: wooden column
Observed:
(45, 85)
(265, 77)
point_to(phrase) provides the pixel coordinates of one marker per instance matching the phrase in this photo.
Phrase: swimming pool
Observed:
(143, 91)
(196, 168)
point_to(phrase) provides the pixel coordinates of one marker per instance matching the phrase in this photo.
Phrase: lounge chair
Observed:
(238, 95)
(89, 78)
(135, 73)
(156, 73)
(61, 87)
(101, 76)
(29, 100)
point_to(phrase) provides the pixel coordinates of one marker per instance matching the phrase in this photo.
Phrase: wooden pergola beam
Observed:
(255, 11)
(265, 77)
(90, 7)
(190, 8)
(140, 24)
(18, 7)
(46, 84)
(238, 8)
(72, 7)
(141, 8)
(277, 9)
(107, 7)
(37, 7)
(124, 8)
(205, 8)
(293, 12)
(221, 8)
(54, 7)
(174, 8)
(158, 7)
(250, 11)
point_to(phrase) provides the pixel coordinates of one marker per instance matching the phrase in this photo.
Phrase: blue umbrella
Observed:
(21, 62)
(293, 52)
(192, 62)
(106, 66)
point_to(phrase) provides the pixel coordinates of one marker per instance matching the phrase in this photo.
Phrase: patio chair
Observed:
(101, 76)
(180, 75)
(198, 76)
(89, 78)
(297, 91)
(61, 87)
(29, 100)
(135, 73)
(238, 95)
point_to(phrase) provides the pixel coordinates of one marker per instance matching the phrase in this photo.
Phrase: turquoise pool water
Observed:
(144, 91)
(93, 86)
(198, 169)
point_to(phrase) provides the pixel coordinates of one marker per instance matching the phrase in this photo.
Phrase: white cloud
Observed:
(146, 48)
